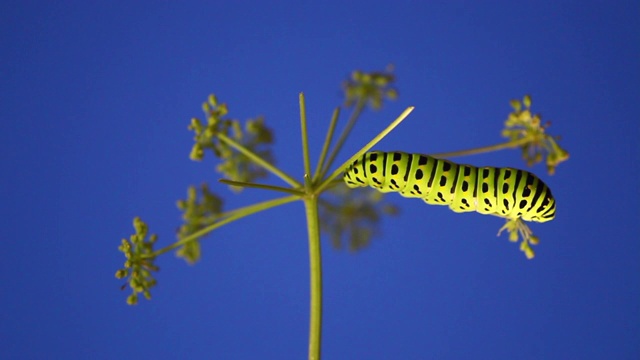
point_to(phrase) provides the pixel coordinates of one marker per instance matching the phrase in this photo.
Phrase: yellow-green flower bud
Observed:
(121, 274)
(534, 240)
(197, 153)
(527, 101)
(132, 299)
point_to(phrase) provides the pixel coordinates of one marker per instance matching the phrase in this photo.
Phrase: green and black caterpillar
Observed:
(504, 192)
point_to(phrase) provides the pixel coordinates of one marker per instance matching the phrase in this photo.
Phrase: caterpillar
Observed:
(504, 192)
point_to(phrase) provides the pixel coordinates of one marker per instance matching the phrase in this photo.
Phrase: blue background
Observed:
(96, 98)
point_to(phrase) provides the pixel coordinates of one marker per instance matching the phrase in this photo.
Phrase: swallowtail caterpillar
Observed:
(513, 194)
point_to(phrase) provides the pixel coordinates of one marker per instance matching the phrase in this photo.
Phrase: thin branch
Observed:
(343, 136)
(480, 150)
(235, 215)
(305, 142)
(262, 186)
(327, 143)
(260, 161)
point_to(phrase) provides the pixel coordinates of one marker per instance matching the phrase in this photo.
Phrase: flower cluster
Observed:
(370, 88)
(234, 165)
(197, 215)
(354, 214)
(522, 125)
(516, 227)
(139, 264)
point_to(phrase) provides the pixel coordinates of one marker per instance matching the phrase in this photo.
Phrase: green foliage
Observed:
(347, 216)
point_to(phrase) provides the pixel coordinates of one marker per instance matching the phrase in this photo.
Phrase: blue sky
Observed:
(96, 98)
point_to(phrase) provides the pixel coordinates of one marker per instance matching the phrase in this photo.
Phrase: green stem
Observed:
(260, 161)
(233, 216)
(480, 150)
(262, 186)
(366, 148)
(305, 140)
(315, 262)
